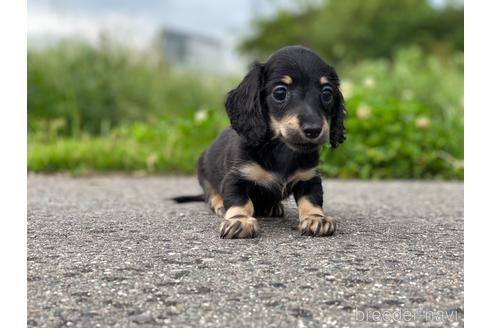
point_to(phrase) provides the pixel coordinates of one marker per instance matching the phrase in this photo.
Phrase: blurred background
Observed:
(139, 86)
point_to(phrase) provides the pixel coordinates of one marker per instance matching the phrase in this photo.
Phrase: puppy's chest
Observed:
(278, 182)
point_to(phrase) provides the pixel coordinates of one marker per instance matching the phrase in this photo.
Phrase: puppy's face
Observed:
(294, 97)
(299, 95)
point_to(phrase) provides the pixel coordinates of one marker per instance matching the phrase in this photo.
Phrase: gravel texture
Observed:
(113, 251)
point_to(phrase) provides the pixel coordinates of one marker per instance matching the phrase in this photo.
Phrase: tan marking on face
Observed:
(275, 126)
(281, 127)
(308, 209)
(323, 80)
(254, 172)
(325, 128)
(303, 175)
(287, 79)
(240, 211)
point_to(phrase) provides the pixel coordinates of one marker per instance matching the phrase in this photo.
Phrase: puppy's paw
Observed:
(219, 211)
(243, 227)
(277, 210)
(316, 225)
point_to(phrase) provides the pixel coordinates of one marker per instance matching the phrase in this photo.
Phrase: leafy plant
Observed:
(349, 31)
(405, 120)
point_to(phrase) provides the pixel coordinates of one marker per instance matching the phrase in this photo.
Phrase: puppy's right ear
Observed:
(243, 105)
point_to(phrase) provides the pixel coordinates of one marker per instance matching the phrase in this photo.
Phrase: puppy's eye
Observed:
(279, 93)
(326, 93)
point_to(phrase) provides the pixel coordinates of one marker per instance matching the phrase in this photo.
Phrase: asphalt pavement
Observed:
(115, 252)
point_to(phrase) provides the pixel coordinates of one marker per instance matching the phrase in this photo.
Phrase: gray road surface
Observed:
(112, 251)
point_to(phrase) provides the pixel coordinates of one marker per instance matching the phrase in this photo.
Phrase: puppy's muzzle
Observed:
(311, 130)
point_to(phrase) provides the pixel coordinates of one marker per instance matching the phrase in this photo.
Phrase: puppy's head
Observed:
(294, 96)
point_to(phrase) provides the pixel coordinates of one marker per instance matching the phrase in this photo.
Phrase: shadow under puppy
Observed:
(281, 113)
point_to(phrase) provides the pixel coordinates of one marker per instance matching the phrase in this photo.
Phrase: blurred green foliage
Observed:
(91, 89)
(405, 119)
(171, 145)
(110, 108)
(347, 31)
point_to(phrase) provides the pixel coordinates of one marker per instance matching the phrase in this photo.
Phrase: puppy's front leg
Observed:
(309, 198)
(238, 219)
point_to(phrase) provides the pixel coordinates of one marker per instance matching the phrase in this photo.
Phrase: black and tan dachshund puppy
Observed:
(281, 113)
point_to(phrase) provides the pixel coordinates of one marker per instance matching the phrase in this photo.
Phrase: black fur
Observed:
(337, 116)
(253, 139)
(187, 199)
(243, 105)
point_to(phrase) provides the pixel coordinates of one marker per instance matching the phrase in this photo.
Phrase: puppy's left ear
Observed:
(243, 105)
(337, 116)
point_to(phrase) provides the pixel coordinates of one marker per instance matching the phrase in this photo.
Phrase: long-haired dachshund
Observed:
(281, 113)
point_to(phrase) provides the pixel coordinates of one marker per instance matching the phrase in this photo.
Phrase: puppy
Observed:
(281, 113)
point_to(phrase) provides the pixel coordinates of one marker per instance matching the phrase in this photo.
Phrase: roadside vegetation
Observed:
(108, 108)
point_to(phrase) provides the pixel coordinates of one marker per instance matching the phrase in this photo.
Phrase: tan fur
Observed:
(307, 209)
(239, 222)
(217, 203)
(303, 175)
(312, 220)
(323, 80)
(244, 227)
(275, 126)
(286, 79)
(254, 172)
(280, 128)
(325, 127)
(240, 211)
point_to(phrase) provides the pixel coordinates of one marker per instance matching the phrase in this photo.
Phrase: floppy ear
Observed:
(337, 116)
(243, 105)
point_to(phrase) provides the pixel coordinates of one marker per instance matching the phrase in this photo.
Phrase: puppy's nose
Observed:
(312, 131)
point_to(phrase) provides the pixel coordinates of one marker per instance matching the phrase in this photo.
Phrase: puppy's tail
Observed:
(188, 199)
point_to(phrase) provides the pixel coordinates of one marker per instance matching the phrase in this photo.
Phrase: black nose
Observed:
(311, 131)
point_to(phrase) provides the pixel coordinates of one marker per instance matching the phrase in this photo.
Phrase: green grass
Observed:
(171, 146)
(89, 154)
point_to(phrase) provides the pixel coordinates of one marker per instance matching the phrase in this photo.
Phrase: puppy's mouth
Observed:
(306, 147)
(302, 145)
